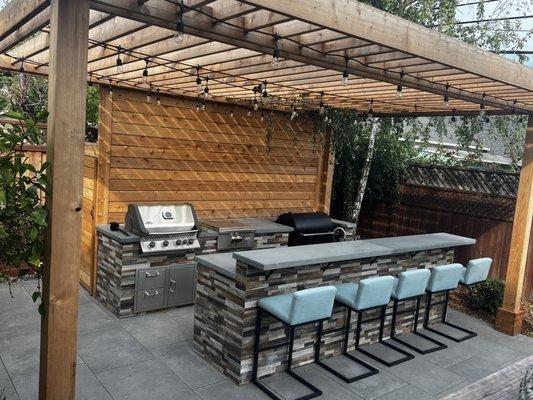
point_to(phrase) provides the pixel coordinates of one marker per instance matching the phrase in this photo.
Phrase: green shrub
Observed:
(487, 295)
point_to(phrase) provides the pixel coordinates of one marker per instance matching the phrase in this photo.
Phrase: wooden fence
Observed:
(463, 201)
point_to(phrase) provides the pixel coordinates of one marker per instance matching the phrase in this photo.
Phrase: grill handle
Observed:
(149, 275)
(316, 234)
(151, 294)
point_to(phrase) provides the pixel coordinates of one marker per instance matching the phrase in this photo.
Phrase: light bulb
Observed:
(399, 91)
(344, 80)
(178, 37)
(204, 94)
(446, 101)
(197, 107)
(249, 113)
(148, 98)
(275, 62)
(203, 106)
(256, 105)
(199, 84)
(145, 76)
(321, 110)
(120, 68)
(158, 101)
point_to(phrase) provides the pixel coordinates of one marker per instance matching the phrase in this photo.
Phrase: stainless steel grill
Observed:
(232, 234)
(163, 228)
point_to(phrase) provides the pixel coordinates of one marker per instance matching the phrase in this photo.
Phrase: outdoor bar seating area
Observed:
(207, 194)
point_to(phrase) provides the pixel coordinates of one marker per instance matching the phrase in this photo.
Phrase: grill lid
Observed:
(307, 222)
(144, 219)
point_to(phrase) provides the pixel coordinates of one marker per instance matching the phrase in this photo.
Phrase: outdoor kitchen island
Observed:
(229, 285)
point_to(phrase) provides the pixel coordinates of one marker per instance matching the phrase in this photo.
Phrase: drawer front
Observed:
(151, 278)
(181, 285)
(149, 299)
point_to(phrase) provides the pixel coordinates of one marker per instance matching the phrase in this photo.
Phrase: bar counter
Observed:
(229, 285)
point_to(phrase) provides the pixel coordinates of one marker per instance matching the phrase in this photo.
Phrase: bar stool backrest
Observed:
(312, 304)
(373, 292)
(411, 283)
(445, 277)
(476, 271)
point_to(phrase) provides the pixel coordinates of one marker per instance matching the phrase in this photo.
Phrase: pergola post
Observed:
(69, 22)
(509, 316)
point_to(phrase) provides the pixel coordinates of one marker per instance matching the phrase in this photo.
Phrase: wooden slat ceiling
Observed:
(232, 43)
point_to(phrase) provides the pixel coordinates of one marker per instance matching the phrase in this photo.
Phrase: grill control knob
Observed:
(191, 241)
(178, 242)
(165, 243)
(151, 245)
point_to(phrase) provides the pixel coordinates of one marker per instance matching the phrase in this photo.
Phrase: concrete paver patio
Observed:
(150, 357)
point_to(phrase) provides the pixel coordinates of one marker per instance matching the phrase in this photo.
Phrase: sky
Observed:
(468, 13)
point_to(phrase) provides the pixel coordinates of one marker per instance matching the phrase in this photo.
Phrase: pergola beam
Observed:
(160, 13)
(359, 20)
(17, 13)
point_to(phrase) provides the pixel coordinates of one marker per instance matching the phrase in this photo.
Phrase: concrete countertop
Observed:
(223, 263)
(265, 226)
(286, 257)
(119, 236)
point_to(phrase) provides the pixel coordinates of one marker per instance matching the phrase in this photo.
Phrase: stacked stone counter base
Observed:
(226, 308)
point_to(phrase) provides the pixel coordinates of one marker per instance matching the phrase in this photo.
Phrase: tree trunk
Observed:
(364, 176)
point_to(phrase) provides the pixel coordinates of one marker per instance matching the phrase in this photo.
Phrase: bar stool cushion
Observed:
(302, 306)
(410, 283)
(445, 277)
(367, 293)
(476, 271)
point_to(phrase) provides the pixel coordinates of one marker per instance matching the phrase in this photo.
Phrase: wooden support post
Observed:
(325, 175)
(69, 22)
(509, 316)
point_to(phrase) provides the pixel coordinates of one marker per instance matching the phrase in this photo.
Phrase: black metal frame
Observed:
(469, 334)
(395, 313)
(371, 369)
(315, 391)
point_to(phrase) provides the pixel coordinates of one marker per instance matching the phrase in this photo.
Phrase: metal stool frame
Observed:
(395, 313)
(257, 349)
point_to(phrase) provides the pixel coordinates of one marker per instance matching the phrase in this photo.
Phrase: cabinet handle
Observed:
(148, 275)
(147, 294)
(172, 285)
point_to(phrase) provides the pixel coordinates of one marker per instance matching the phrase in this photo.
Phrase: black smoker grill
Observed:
(311, 228)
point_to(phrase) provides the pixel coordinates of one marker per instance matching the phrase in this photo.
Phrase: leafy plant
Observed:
(487, 296)
(22, 215)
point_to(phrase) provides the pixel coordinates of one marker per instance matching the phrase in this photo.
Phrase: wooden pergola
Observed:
(390, 67)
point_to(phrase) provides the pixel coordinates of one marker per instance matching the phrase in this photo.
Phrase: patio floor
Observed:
(150, 357)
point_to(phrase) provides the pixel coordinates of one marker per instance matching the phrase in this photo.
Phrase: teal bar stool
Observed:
(476, 271)
(444, 279)
(303, 307)
(411, 285)
(366, 295)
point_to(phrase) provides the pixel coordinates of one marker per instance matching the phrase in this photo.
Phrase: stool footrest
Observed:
(439, 345)
(371, 370)
(315, 391)
(469, 334)
(406, 355)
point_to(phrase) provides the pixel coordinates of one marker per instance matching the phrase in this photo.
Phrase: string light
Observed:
(256, 105)
(203, 106)
(370, 109)
(454, 118)
(198, 105)
(265, 93)
(294, 114)
(148, 95)
(158, 98)
(231, 113)
(110, 91)
(21, 68)
(120, 67)
(145, 71)
(514, 105)
(249, 112)
(399, 88)
(345, 75)
(482, 106)
(198, 80)
(262, 115)
(180, 25)
(321, 108)
(205, 92)
(446, 97)
(275, 55)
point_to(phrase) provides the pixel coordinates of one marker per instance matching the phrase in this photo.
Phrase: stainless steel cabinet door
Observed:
(181, 285)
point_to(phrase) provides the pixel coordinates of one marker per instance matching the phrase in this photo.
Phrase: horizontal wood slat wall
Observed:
(88, 234)
(220, 163)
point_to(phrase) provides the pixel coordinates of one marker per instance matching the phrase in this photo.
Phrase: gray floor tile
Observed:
(20, 354)
(407, 393)
(109, 349)
(16, 320)
(368, 388)
(493, 352)
(19, 296)
(474, 369)
(92, 318)
(289, 388)
(453, 390)
(426, 376)
(145, 380)
(88, 387)
(177, 312)
(445, 358)
(230, 391)
(157, 329)
(187, 365)
(7, 390)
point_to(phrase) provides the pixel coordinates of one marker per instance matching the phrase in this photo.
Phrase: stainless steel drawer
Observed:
(151, 278)
(181, 285)
(149, 299)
